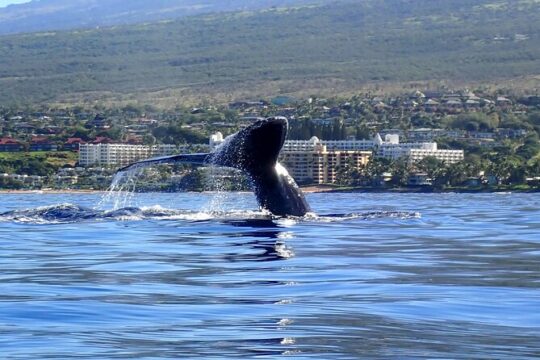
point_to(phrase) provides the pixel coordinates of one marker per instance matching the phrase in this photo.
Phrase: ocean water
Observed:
(179, 276)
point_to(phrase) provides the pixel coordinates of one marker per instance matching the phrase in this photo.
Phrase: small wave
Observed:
(363, 216)
(63, 213)
(70, 213)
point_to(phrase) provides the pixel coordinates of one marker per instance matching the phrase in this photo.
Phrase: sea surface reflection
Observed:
(172, 276)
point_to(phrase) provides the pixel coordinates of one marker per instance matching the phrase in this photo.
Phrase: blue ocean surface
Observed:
(179, 276)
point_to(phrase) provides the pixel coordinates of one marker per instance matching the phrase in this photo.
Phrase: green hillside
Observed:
(349, 42)
(47, 15)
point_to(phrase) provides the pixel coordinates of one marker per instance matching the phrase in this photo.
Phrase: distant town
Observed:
(441, 140)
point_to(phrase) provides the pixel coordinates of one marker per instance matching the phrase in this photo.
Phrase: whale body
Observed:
(254, 150)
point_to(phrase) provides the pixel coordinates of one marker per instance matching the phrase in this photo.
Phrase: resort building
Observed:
(303, 145)
(319, 165)
(447, 156)
(389, 148)
(120, 154)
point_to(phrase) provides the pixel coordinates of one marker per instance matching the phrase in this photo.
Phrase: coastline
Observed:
(49, 191)
(420, 190)
(314, 189)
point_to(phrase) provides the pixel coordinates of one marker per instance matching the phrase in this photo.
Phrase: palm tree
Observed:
(456, 173)
(533, 168)
(400, 169)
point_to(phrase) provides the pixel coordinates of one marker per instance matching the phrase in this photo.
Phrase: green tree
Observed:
(401, 170)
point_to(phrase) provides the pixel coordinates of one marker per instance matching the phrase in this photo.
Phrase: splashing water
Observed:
(69, 213)
(215, 182)
(218, 182)
(121, 191)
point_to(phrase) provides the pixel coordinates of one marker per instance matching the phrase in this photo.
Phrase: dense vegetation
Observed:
(501, 140)
(35, 163)
(348, 43)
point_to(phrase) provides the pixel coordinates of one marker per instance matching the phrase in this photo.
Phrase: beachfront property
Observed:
(312, 160)
(389, 148)
(446, 156)
(336, 145)
(392, 149)
(121, 154)
(320, 165)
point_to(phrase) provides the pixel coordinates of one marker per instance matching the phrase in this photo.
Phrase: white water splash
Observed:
(215, 182)
(121, 191)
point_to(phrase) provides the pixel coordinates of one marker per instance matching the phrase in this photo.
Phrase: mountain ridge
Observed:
(51, 15)
(280, 50)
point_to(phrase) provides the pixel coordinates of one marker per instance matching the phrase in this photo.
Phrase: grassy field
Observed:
(331, 49)
(55, 158)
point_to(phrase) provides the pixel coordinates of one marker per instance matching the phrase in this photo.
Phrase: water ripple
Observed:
(371, 276)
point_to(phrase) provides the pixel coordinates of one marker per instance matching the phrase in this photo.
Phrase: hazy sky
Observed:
(7, 2)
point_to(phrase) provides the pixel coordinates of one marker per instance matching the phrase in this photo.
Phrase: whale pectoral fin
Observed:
(194, 159)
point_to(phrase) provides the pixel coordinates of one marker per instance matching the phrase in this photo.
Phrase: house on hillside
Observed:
(99, 122)
(432, 105)
(102, 140)
(503, 102)
(511, 133)
(453, 105)
(72, 144)
(238, 105)
(10, 145)
(42, 143)
(24, 128)
(472, 104)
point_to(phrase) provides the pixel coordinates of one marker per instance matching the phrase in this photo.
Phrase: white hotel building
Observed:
(314, 159)
(389, 148)
(319, 165)
(121, 154)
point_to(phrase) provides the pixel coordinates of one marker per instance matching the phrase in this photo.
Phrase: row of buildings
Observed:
(389, 148)
(308, 161)
(40, 143)
(121, 154)
(318, 161)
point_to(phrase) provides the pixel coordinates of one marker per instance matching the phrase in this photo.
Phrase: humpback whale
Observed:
(254, 150)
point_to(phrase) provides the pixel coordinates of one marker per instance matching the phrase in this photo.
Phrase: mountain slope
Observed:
(356, 42)
(46, 15)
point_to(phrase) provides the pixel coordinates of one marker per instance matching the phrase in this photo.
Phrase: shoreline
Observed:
(317, 190)
(420, 190)
(49, 191)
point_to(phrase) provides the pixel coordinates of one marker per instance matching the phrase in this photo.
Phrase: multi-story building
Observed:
(389, 148)
(447, 156)
(295, 145)
(320, 165)
(120, 154)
